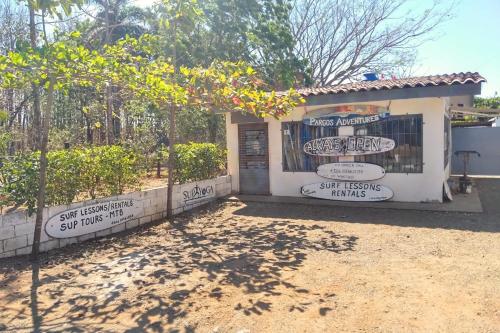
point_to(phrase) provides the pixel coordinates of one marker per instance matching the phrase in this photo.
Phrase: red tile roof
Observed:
(412, 82)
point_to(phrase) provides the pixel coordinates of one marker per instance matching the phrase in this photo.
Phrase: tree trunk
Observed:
(110, 133)
(35, 141)
(171, 133)
(42, 182)
(212, 127)
(171, 160)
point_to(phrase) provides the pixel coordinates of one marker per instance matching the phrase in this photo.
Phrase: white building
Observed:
(267, 156)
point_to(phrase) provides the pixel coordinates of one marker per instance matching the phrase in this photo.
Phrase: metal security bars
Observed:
(294, 135)
(407, 132)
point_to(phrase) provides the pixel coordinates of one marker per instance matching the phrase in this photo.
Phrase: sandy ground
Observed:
(236, 267)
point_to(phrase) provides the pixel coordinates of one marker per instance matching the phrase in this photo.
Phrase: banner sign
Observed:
(348, 120)
(347, 191)
(348, 146)
(346, 115)
(92, 218)
(351, 171)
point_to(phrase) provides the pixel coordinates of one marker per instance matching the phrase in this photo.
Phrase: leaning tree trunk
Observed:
(42, 182)
(35, 140)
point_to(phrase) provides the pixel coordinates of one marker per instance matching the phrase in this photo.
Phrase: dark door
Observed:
(254, 158)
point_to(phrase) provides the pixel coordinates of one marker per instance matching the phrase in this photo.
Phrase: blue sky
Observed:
(470, 41)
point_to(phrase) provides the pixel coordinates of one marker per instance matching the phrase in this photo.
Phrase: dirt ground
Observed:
(255, 267)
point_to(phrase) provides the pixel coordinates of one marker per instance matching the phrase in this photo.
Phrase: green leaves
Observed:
(98, 171)
(198, 161)
(129, 65)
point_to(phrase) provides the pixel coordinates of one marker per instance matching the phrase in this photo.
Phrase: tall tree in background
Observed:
(255, 31)
(341, 39)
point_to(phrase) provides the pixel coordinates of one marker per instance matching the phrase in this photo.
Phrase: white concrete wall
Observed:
(423, 187)
(16, 229)
(233, 165)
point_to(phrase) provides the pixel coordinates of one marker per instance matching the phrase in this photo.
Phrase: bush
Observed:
(98, 171)
(19, 181)
(118, 169)
(198, 161)
(63, 176)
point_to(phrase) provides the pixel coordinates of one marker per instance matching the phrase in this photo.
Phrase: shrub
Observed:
(19, 181)
(197, 161)
(63, 176)
(118, 169)
(106, 170)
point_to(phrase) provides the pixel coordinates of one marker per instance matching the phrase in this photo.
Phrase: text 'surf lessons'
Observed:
(347, 191)
(84, 220)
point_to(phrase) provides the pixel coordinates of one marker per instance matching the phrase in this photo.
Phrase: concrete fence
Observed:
(81, 221)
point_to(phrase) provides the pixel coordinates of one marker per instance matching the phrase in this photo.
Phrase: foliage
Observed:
(254, 31)
(197, 161)
(487, 103)
(117, 169)
(19, 181)
(5, 138)
(97, 171)
(63, 176)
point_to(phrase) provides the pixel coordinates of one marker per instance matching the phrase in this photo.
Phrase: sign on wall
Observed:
(347, 191)
(348, 120)
(351, 171)
(346, 115)
(196, 193)
(92, 218)
(348, 146)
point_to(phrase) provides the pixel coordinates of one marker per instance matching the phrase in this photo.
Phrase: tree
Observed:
(341, 39)
(114, 20)
(225, 86)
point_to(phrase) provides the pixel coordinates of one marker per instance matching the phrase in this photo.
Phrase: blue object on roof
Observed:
(370, 76)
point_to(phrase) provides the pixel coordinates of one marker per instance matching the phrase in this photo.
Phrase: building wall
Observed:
(423, 187)
(16, 229)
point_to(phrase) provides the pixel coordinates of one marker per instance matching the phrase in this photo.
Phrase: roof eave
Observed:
(395, 93)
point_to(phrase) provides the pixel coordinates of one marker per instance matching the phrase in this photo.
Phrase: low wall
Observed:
(81, 221)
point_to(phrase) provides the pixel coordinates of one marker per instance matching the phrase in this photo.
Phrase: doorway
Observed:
(254, 158)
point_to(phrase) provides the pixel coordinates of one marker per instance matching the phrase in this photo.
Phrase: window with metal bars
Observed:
(294, 135)
(407, 132)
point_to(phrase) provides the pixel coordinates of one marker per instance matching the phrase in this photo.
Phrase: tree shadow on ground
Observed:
(153, 278)
(489, 221)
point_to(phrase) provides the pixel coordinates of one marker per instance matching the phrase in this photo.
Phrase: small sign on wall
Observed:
(92, 218)
(348, 145)
(346, 115)
(348, 120)
(347, 191)
(351, 171)
(195, 193)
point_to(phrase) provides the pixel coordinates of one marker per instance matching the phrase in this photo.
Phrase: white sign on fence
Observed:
(348, 145)
(92, 218)
(351, 171)
(347, 191)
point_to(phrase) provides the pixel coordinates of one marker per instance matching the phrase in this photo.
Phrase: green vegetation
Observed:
(114, 74)
(97, 172)
(93, 172)
(487, 103)
(198, 161)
